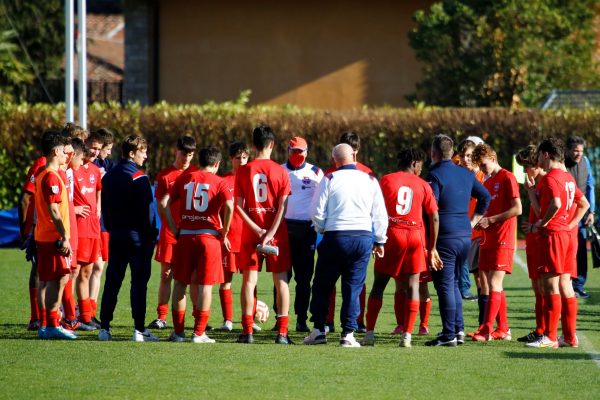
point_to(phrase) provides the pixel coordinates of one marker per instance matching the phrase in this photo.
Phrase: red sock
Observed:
(94, 305)
(411, 310)
(161, 311)
(540, 323)
(331, 311)
(373, 307)
(503, 314)
(85, 310)
(43, 314)
(195, 313)
(33, 304)
(200, 321)
(493, 306)
(424, 311)
(68, 301)
(282, 324)
(247, 323)
(178, 320)
(52, 319)
(362, 298)
(254, 305)
(569, 318)
(226, 304)
(399, 307)
(552, 310)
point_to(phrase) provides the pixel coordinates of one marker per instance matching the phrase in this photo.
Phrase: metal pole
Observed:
(69, 39)
(82, 63)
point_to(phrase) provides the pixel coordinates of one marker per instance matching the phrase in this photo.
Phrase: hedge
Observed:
(383, 130)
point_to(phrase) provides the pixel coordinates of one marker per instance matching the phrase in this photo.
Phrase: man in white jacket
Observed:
(349, 210)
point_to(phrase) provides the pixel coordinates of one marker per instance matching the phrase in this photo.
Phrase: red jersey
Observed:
(504, 188)
(50, 188)
(29, 186)
(559, 183)
(164, 182)
(406, 197)
(359, 166)
(261, 183)
(202, 195)
(237, 223)
(532, 217)
(87, 182)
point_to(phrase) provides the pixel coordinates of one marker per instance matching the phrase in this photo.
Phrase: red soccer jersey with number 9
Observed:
(201, 195)
(558, 183)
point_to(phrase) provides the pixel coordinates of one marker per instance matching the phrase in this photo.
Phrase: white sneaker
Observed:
(176, 337)
(145, 336)
(202, 338)
(406, 339)
(255, 328)
(543, 342)
(348, 340)
(227, 326)
(316, 337)
(563, 343)
(104, 335)
(369, 339)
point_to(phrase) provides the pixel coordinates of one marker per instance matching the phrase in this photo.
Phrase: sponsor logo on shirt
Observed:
(194, 218)
(259, 210)
(85, 190)
(55, 189)
(92, 179)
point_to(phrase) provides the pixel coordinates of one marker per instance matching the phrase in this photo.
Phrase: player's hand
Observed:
(260, 232)
(483, 223)
(226, 244)
(65, 248)
(435, 262)
(589, 219)
(84, 211)
(526, 226)
(529, 182)
(378, 251)
(266, 239)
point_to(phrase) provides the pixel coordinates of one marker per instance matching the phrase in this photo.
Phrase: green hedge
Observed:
(383, 130)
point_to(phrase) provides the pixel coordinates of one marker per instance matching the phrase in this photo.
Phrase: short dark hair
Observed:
(52, 139)
(465, 145)
(527, 157)
(443, 144)
(573, 141)
(209, 156)
(186, 143)
(238, 148)
(409, 155)
(133, 143)
(555, 148)
(95, 136)
(352, 139)
(107, 136)
(73, 130)
(262, 136)
(78, 145)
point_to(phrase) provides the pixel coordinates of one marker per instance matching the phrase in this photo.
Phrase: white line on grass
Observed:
(583, 340)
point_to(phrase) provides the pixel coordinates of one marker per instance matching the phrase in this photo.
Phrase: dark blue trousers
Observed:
(127, 248)
(453, 252)
(582, 259)
(342, 254)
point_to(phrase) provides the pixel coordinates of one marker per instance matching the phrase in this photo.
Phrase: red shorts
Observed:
(164, 249)
(533, 254)
(230, 261)
(496, 259)
(197, 260)
(404, 253)
(104, 236)
(51, 265)
(251, 260)
(571, 256)
(553, 248)
(88, 250)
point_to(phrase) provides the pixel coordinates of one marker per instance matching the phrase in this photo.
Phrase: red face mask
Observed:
(297, 160)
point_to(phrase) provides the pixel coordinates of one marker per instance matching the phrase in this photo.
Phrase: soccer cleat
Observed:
(227, 326)
(543, 342)
(257, 328)
(283, 339)
(361, 328)
(482, 337)
(471, 334)
(41, 333)
(563, 343)
(302, 327)
(329, 327)
(176, 337)
(59, 333)
(406, 340)
(316, 337)
(34, 325)
(145, 336)
(158, 324)
(530, 337)
(469, 296)
(348, 340)
(423, 330)
(82, 326)
(582, 294)
(369, 339)
(245, 338)
(398, 330)
(500, 335)
(441, 341)
(104, 335)
(460, 338)
(201, 338)
(94, 323)
(71, 325)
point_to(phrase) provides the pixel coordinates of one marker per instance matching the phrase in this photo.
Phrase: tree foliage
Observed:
(504, 52)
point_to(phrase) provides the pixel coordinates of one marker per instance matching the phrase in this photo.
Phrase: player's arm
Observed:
(318, 207)
(60, 227)
(239, 207)
(281, 207)
(23, 219)
(380, 221)
(582, 206)
(98, 203)
(435, 262)
(483, 197)
(554, 205)
(166, 209)
(163, 204)
(590, 193)
(514, 210)
(227, 216)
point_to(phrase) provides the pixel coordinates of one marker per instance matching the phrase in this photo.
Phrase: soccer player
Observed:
(406, 198)
(52, 233)
(499, 226)
(558, 195)
(238, 154)
(261, 190)
(197, 259)
(185, 148)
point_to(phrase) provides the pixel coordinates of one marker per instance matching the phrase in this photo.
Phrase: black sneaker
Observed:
(530, 337)
(441, 341)
(283, 339)
(85, 327)
(460, 338)
(302, 327)
(246, 338)
(469, 297)
(582, 294)
(361, 328)
(158, 324)
(329, 327)
(94, 323)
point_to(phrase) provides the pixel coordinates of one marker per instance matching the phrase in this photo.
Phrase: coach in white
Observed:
(349, 210)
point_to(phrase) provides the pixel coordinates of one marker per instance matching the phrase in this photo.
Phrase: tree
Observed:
(504, 52)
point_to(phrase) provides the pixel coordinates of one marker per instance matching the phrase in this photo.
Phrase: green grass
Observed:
(122, 369)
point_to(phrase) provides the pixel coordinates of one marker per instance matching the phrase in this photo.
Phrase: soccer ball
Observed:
(262, 312)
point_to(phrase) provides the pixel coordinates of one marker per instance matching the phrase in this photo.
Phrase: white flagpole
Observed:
(82, 64)
(69, 36)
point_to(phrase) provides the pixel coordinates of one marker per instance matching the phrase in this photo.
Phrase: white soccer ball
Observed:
(262, 312)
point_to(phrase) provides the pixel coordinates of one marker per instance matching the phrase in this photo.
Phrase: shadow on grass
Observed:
(547, 354)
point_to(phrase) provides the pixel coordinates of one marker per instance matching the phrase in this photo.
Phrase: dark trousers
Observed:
(453, 252)
(345, 255)
(582, 259)
(127, 249)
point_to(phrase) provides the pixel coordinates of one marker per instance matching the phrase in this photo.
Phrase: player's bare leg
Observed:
(52, 294)
(374, 304)
(568, 312)
(411, 309)
(424, 308)
(82, 287)
(95, 280)
(249, 279)
(550, 285)
(178, 304)
(204, 300)
(280, 280)
(226, 302)
(400, 299)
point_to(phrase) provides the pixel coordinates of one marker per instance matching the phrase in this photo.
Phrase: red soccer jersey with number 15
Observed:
(558, 183)
(201, 195)
(262, 183)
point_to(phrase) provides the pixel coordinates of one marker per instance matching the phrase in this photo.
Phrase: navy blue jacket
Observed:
(127, 201)
(453, 187)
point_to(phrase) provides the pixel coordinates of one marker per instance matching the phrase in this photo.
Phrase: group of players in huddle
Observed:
(215, 226)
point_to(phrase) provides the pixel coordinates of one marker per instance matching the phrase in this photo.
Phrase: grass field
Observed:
(87, 368)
